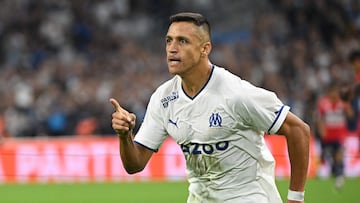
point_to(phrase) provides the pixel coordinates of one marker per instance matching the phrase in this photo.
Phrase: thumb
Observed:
(115, 104)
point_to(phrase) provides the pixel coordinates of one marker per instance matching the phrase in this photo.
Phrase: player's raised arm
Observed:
(297, 134)
(133, 156)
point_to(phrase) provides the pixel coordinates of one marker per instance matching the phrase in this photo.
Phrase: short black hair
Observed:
(195, 18)
(355, 54)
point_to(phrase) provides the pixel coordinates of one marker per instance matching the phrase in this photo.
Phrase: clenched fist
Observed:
(123, 122)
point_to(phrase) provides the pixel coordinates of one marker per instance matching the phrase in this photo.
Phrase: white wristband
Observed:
(295, 195)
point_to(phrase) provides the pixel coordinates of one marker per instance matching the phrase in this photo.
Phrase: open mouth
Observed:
(174, 61)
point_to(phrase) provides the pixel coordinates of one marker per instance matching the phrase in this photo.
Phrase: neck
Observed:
(194, 82)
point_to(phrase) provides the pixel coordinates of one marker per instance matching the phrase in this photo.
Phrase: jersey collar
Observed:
(192, 98)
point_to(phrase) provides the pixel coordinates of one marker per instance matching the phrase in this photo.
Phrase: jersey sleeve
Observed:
(264, 110)
(152, 132)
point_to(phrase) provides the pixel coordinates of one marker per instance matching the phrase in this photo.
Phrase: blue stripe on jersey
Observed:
(154, 150)
(277, 117)
(212, 70)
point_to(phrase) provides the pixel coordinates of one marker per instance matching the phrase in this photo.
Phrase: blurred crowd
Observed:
(61, 61)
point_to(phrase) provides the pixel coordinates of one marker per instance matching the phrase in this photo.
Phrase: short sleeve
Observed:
(279, 119)
(152, 132)
(263, 109)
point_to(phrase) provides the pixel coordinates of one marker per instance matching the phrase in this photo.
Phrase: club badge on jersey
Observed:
(215, 120)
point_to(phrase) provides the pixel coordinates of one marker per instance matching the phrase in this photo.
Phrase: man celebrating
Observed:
(219, 121)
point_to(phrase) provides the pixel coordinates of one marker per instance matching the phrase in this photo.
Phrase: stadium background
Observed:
(60, 61)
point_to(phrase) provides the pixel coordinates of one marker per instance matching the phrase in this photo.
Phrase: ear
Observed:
(206, 49)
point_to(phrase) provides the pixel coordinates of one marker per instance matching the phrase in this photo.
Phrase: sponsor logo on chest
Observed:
(173, 96)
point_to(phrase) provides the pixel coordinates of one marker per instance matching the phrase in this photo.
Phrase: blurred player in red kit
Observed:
(333, 114)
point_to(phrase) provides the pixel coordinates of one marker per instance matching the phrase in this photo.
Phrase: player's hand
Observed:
(123, 122)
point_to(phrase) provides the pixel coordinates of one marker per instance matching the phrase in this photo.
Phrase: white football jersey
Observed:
(221, 133)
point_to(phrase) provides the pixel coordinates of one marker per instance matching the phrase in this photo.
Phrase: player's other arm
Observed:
(133, 156)
(297, 134)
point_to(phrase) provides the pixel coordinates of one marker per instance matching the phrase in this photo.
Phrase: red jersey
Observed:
(333, 115)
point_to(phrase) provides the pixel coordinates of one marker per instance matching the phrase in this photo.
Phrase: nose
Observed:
(172, 47)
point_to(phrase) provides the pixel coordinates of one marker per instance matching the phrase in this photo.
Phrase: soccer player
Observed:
(332, 127)
(218, 120)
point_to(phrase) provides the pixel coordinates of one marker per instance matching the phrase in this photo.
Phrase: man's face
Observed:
(184, 45)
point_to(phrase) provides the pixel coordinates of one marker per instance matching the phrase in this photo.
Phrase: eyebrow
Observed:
(177, 37)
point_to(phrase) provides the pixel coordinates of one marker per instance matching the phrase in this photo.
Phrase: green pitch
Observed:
(153, 192)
